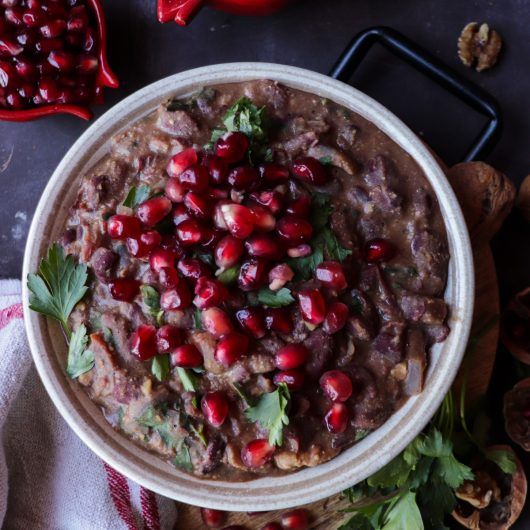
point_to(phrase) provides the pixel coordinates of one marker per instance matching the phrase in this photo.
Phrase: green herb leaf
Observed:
(333, 249)
(229, 275)
(247, 400)
(182, 459)
(403, 513)
(59, 285)
(197, 320)
(189, 380)
(320, 210)
(136, 196)
(280, 298)
(199, 432)
(205, 257)
(504, 459)
(160, 367)
(270, 412)
(160, 423)
(80, 360)
(151, 298)
(325, 160)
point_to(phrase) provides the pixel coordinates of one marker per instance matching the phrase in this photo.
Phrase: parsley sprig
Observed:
(271, 413)
(58, 286)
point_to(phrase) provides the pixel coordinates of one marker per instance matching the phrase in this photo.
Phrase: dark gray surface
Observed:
(311, 34)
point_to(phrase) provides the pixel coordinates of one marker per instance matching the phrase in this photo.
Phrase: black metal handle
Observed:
(425, 62)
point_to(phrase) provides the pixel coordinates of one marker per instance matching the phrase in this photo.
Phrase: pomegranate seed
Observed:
(45, 46)
(74, 40)
(300, 251)
(379, 250)
(123, 226)
(168, 338)
(14, 15)
(232, 147)
(218, 218)
(7, 74)
(162, 257)
(252, 274)
(295, 520)
(331, 274)
(209, 293)
(228, 252)
(243, 177)
(168, 277)
(9, 48)
(186, 356)
(143, 342)
(264, 221)
(170, 242)
(239, 220)
(278, 319)
(181, 161)
(177, 298)
(124, 289)
(252, 319)
(294, 379)
(26, 68)
(197, 205)
(78, 20)
(15, 100)
(274, 173)
(337, 417)
(89, 40)
(310, 170)
(27, 90)
(62, 60)
(279, 275)
(271, 199)
(213, 518)
(48, 90)
(53, 28)
(272, 526)
(175, 190)
(231, 348)
(215, 407)
(257, 453)
(195, 178)
(216, 322)
(217, 168)
(291, 356)
(300, 207)
(189, 232)
(336, 317)
(180, 213)
(294, 230)
(33, 18)
(153, 210)
(336, 385)
(144, 245)
(312, 306)
(264, 246)
(87, 63)
(193, 269)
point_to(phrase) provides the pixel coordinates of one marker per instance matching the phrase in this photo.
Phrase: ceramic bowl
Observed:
(267, 493)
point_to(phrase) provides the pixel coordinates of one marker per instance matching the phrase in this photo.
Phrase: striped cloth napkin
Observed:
(49, 480)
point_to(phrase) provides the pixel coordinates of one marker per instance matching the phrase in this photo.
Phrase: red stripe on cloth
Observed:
(10, 313)
(121, 496)
(149, 510)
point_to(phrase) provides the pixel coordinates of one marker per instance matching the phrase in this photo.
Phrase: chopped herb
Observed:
(80, 360)
(189, 381)
(205, 257)
(158, 421)
(182, 459)
(360, 434)
(151, 299)
(325, 160)
(136, 196)
(58, 286)
(197, 320)
(120, 416)
(320, 210)
(247, 400)
(199, 432)
(160, 367)
(229, 275)
(279, 298)
(270, 413)
(504, 460)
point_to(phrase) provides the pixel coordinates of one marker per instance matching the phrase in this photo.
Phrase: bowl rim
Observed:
(309, 484)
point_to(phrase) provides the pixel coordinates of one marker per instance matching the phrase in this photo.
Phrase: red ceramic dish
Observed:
(105, 78)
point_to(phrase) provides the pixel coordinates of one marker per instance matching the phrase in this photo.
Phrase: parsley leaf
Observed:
(151, 298)
(157, 421)
(160, 367)
(403, 513)
(58, 286)
(80, 360)
(279, 298)
(136, 196)
(197, 319)
(229, 275)
(189, 380)
(270, 412)
(503, 459)
(182, 459)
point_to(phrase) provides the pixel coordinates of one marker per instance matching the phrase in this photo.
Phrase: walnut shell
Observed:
(515, 326)
(505, 496)
(516, 413)
(485, 194)
(523, 199)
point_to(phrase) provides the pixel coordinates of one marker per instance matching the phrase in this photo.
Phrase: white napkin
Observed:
(49, 480)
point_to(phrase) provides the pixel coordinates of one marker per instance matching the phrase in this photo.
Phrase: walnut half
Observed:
(479, 46)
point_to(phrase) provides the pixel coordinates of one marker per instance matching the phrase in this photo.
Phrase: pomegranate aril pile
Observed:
(48, 54)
